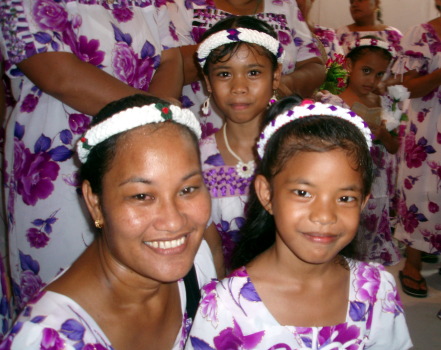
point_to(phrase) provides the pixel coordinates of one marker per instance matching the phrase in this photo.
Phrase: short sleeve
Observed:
(204, 264)
(167, 30)
(30, 27)
(389, 329)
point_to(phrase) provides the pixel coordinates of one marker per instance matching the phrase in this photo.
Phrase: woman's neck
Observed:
(366, 26)
(240, 7)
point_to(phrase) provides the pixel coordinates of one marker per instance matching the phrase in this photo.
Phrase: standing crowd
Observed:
(214, 174)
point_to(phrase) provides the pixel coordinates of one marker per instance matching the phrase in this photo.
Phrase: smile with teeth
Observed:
(166, 244)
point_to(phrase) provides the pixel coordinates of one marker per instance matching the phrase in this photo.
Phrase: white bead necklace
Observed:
(244, 170)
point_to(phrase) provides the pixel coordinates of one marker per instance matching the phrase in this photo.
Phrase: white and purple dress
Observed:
(232, 315)
(229, 195)
(329, 40)
(48, 223)
(419, 167)
(53, 321)
(192, 18)
(375, 223)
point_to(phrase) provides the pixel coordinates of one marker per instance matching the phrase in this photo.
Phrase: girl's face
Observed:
(316, 201)
(154, 205)
(242, 86)
(362, 8)
(366, 72)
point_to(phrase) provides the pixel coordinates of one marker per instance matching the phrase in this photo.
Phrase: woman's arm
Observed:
(421, 85)
(168, 79)
(306, 78)
(78, 84)
(214, 241)
(192, 72)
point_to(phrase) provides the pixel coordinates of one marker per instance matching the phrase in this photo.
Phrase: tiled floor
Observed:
(424, 326)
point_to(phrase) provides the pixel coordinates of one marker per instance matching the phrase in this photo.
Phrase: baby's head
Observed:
(222, 41)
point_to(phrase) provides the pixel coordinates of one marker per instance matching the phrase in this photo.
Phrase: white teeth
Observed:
(166, 244)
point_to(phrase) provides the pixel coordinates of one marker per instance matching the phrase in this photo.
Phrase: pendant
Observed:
(245, 170)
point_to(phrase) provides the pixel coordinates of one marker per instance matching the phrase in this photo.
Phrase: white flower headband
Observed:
(235, 35)
(308, 109)
(373, 42)
(132, 118)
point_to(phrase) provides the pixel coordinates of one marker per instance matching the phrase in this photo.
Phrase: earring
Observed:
(206, 106)
(98, 224)
(273, 99)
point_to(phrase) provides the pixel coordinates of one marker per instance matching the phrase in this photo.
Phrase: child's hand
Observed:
(379, 131)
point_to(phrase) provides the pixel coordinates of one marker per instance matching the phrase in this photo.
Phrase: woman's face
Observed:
(154, 204)
(361, 9)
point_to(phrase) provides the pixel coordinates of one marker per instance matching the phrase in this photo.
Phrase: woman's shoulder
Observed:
(210, 154)
(54, 317)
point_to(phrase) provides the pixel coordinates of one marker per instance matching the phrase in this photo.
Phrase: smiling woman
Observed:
(144, 189)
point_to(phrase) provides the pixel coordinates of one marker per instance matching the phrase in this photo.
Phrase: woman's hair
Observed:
(223, 53)
(356, 53)
(101, 156)
(319, 133)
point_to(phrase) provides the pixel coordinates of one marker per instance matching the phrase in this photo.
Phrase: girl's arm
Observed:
(389, 141)
(421, 85)
(78, 84)
(169, 77)
(305, 79)
(191, 68)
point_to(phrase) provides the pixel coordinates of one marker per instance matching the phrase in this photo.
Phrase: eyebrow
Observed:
(301, 181)
(253, 65)
(150, 182)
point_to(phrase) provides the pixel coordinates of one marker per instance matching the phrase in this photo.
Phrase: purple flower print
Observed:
(144, 72)
(36, 238)
(123, 14)
(19, 157)
(49, 15)
(196, 33)
(339, 335)
(415, 153)
(233, 338)
(30, 284)
(367, 282)
(37, 176)
(29, 103)
(78, 123)
(51, 340)
(94, 347)
(433, 207)
(208, 129)
(87, 51)
(124, 62)
(435, 240)
(409, 217)
(284, 37)
(390, 303)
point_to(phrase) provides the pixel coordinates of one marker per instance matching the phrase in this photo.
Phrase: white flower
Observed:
(398, 93)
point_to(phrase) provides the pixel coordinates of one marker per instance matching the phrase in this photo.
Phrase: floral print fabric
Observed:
(375, 223)
(231, 315)
(193, 17)
(229, 194)
(48, 227)
(329, 40)
(53, 321)
(419, 167)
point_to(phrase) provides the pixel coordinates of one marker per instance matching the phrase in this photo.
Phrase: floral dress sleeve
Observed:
(389, 329)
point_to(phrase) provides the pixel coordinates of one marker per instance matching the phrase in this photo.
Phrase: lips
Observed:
(323, 238)
(239, 105)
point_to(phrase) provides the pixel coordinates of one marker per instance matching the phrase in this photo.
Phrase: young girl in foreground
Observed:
(241, 59)
(297, 284)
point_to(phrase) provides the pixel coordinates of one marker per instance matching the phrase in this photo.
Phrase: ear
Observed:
(263, 191)
(277, 77)
(92, 202)
(207, 83)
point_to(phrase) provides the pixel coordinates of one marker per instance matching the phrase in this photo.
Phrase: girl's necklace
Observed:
(244, 170)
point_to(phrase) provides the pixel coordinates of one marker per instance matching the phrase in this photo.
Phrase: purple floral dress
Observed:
(419, 169)
(390, 34)
(229, 194)
(231, 315)
(375, 221)
(328, 38)
(193, 17)
(48, 224)
(53, 321)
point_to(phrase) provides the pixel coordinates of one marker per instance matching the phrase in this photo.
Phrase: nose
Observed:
(170, 216)
(239, 85)
(323, 211)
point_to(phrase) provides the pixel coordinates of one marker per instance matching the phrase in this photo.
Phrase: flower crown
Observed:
(308, 109)
(236, 35)
(373, 42)
(132, 118)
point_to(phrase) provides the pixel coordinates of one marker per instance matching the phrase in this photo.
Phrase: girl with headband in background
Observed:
(298, 283)
(143, 186)
(367, 63)
(241, 60)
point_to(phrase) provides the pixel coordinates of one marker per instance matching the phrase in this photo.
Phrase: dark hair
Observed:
(102, 155)
(223, 53)
(356, 53)
(319, 133)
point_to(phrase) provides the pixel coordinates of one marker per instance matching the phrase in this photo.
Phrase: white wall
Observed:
(396, 13)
